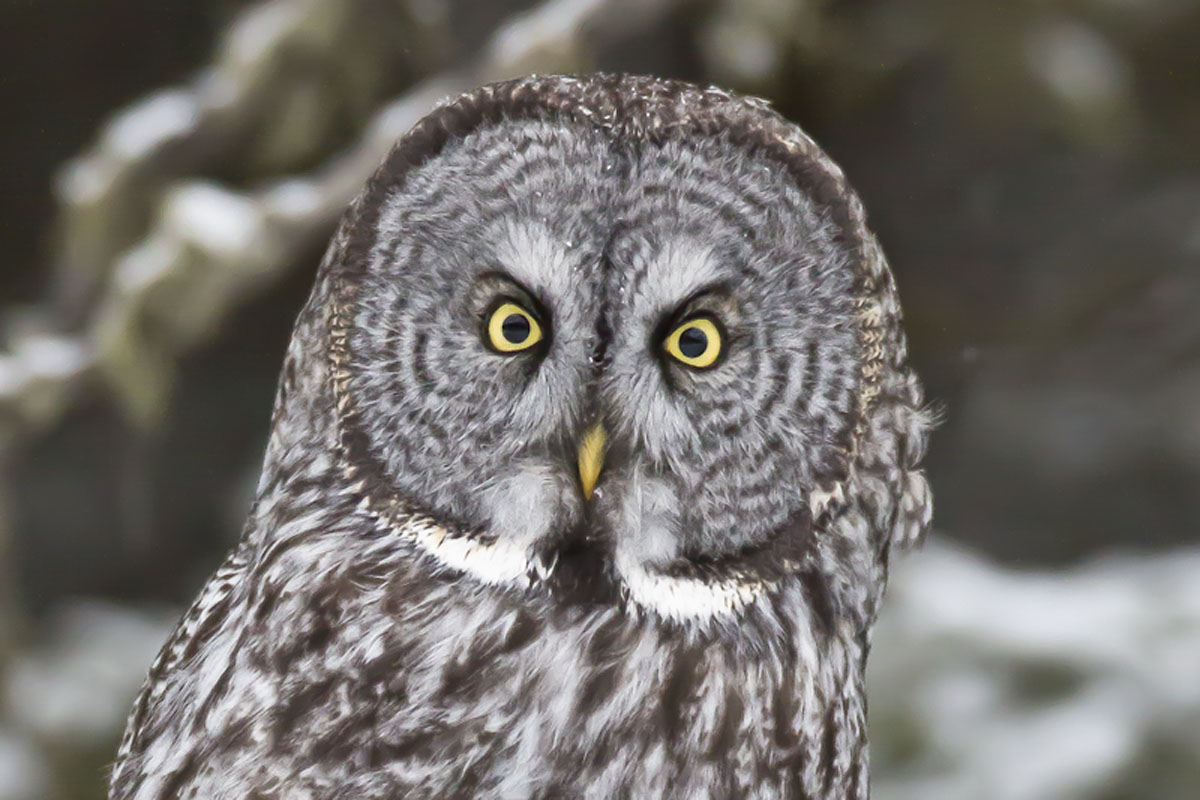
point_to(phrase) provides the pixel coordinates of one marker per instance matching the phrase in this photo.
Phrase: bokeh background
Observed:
(170, 172)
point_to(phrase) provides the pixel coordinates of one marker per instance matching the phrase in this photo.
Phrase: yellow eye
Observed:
(511, 329)
(696, 343)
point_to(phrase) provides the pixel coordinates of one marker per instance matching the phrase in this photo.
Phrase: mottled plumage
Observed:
(425, 604)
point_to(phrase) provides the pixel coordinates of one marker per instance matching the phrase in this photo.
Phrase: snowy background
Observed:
(170, 173)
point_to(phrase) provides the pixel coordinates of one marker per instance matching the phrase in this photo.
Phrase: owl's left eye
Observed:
(696, 342)
(511, 329)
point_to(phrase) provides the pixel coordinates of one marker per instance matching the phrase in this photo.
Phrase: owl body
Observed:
(431, 599)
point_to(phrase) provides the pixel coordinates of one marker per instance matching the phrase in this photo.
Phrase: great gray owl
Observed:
(589, 452)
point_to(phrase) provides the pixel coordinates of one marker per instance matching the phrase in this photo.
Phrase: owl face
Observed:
(539, 280)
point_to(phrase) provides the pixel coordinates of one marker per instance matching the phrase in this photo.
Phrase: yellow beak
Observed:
(591, 458)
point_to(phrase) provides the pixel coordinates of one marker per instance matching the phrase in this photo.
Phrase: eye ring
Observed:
(697, 342)
(511, 329)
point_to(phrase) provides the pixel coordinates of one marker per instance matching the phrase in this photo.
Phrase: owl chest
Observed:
(468, 703)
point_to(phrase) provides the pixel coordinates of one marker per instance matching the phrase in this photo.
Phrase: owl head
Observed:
(613, 340)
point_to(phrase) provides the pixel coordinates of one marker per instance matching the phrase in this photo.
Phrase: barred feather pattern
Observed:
(360, 644)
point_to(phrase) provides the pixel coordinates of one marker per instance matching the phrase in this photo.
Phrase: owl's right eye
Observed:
(511, 329)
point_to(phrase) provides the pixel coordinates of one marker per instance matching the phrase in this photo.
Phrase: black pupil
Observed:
(693, 342)
(515, 328)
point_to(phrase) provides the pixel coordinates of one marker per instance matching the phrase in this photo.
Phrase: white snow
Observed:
(222, 222)
(149, 123)
(997, 684)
